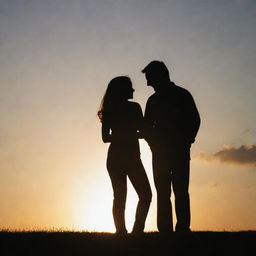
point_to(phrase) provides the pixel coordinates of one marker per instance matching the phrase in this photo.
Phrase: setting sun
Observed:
(96, 212)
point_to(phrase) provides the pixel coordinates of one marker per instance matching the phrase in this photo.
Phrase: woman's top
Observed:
(122, 127)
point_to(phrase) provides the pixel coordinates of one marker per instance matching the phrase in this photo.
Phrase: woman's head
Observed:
(119, 90)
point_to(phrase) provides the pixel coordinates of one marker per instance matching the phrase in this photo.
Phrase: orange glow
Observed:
(95, 214)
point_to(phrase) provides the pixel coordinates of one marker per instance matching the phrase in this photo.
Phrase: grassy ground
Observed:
(85, 243)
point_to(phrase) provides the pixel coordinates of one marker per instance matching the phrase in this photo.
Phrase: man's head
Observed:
(157, 74)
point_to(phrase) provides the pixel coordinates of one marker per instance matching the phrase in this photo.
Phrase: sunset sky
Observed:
(57, 57)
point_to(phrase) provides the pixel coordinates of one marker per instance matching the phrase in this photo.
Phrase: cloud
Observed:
(249, 132)
(243, 155)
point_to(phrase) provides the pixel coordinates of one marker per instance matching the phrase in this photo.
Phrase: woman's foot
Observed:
(121, 232)
(137, 232)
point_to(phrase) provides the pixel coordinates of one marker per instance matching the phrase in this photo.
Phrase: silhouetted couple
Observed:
(170, 125)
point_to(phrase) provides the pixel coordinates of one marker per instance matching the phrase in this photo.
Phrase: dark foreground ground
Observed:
(85, 243)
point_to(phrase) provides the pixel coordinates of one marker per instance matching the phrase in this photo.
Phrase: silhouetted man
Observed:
(171, 125)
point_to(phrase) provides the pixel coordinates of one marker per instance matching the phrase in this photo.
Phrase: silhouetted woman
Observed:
(121, 126)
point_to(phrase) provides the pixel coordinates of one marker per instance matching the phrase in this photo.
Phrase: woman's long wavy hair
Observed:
(116, 92)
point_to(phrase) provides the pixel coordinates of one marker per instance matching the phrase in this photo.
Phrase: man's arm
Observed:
(149, 123)
(194, 119)
(140, 120)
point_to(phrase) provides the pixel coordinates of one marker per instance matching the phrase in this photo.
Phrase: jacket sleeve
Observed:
(149, 123)
(140, 122)
(193, 118)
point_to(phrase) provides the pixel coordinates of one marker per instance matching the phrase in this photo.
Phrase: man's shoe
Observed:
(183, 230)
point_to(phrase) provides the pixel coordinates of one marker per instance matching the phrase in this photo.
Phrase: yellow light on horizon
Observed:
(95, 214)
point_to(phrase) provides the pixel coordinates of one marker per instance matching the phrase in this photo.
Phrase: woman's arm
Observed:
(105, 132)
